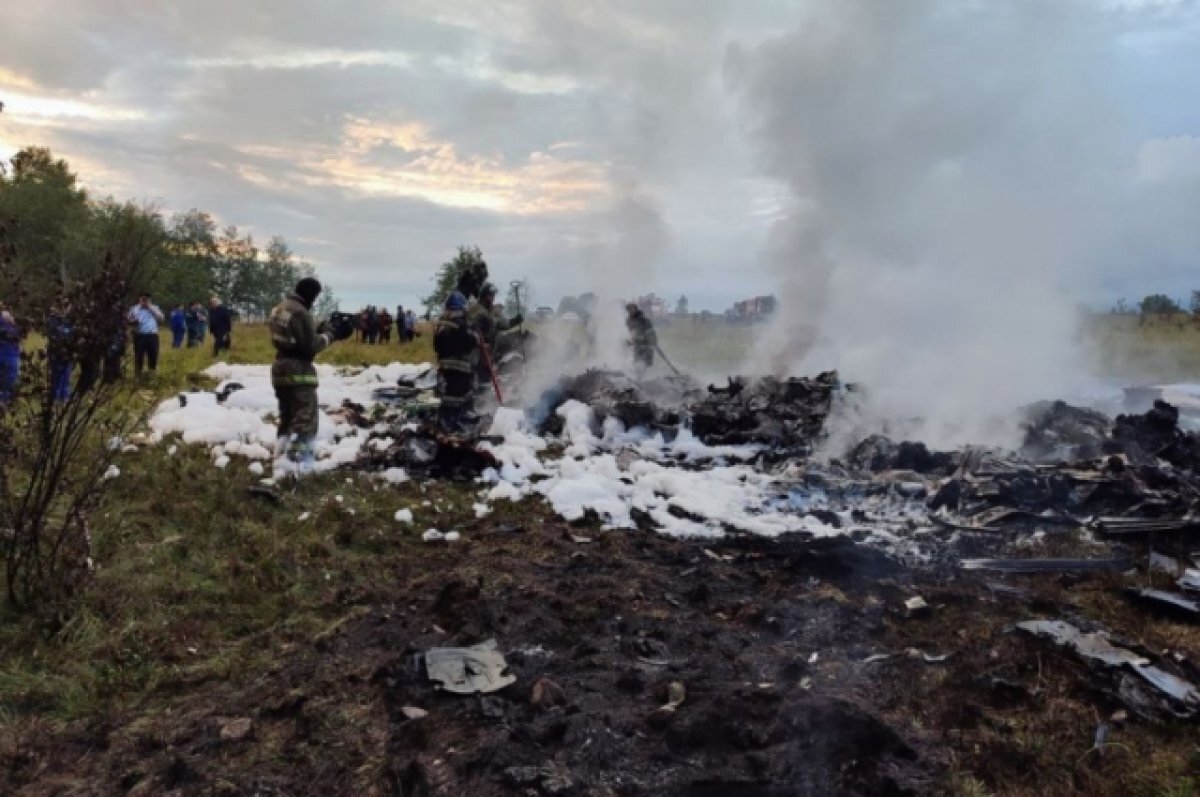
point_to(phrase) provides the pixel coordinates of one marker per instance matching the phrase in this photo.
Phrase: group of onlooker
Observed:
(375, 325)
(193, 323)
(143, 320)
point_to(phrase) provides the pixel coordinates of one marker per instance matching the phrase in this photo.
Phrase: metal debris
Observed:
(1190, 580)
(467, 671)
(1116, 527)
(1174, 695)
(1117, 564)
(1170, 603)
(1165, 564)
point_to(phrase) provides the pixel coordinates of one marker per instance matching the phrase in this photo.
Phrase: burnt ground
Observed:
(772, 642)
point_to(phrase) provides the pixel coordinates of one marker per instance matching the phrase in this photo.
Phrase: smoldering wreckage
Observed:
(772, 619)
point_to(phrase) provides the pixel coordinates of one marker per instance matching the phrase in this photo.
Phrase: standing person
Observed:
(401, 332)
(410, 325)
(221, 321)
(642, 337)
(454, 343)
(489, 321)
(362, 325)
(101, 346)
(58, 350)
(192, 324)
(293, 374)
(372, 325)
(10, 355)
(385, 326)
(145, 317)
(114, 356)
(201, 323)
(179, 326)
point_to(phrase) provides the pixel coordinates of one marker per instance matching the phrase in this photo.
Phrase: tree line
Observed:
(1159, 305)
(54, 227)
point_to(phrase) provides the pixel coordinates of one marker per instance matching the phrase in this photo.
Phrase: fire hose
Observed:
(671, 365)
(487, 360)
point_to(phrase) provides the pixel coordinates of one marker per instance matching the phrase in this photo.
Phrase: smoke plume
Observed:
(952, 167)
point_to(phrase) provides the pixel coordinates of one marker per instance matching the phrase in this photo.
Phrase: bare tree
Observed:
(58, 440)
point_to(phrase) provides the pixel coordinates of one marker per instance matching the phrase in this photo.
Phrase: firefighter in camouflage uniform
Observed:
(297, 341)
(642, 338)
(455, 343)
(488, 320)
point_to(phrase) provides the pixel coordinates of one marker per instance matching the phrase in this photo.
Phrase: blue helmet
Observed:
(456, 301)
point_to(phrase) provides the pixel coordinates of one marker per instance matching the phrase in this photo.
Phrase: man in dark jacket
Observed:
(372, 325)
(297, 341)
(192, 325)
(385, 326)
(220, 321)
(455, 343)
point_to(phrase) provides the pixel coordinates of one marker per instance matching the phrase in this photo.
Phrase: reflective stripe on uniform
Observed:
(295, 380)
(455, 365)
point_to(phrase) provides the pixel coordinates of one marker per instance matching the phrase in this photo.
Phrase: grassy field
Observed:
(1159, 351)
(198, 584)
(252, 344)
(1114, 347)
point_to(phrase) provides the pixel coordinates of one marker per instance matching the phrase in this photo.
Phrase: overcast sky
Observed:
(619, 146)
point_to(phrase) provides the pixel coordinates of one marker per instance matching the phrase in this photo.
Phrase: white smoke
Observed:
(614, 262)
(952, 168)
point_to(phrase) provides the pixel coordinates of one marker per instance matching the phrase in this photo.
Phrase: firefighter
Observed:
(642, 337)
(455, 344)
(297, 341)
(487, 319)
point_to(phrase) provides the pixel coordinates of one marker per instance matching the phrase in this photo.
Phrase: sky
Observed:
(676, 146)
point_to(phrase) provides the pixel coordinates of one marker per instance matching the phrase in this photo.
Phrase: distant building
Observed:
(756, 309)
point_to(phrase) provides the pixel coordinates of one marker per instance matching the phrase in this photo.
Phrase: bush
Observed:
(56, 437)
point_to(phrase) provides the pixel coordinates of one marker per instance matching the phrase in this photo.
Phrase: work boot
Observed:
(302, 456)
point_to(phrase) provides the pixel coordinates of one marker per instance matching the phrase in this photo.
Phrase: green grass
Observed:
(1160, 351)
(197, 581)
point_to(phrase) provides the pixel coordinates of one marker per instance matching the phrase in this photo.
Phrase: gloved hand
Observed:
(517, 320)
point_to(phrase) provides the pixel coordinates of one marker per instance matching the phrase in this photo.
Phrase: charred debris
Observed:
(1132, 477)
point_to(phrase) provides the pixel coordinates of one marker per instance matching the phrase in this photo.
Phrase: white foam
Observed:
(684, 486)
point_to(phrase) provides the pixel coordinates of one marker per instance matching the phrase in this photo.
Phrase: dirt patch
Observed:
(797, 666)
(611, 624)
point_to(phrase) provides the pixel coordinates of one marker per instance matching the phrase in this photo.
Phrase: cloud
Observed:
(561, 135)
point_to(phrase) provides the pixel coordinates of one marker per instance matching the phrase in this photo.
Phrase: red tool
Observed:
(487, 360)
